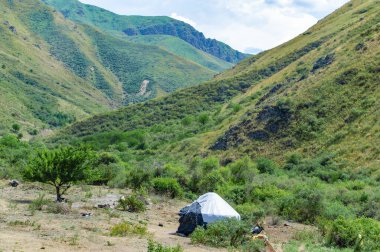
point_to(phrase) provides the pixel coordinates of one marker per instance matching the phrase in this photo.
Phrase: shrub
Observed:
(58, 208)
(236, 193)
(235, 107)
(203, 118)
(304, 205)
(125, 228)
(173, 171)
(250, 213)
(224, 233)
(254, 246)
(131, 203)
(363, 234)
(39, 203)
(139, 177)
(167, 186)
(333, 210)
(16, 127)
(266, 165)
(212, 180)
(209, 164)
(243, 170)
(157, 247)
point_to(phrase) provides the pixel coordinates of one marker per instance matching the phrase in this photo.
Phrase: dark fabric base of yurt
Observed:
(190, 219)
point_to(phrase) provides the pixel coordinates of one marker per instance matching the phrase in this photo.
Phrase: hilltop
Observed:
(140, 26)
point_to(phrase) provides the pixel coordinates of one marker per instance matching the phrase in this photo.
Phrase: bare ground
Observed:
(22, 230)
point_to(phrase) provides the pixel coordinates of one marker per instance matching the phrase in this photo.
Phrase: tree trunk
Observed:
(59, 195)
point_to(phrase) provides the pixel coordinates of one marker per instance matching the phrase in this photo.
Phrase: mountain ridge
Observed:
(134, 25)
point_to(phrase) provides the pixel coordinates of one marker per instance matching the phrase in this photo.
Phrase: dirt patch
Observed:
(143, 88)
(22, 230)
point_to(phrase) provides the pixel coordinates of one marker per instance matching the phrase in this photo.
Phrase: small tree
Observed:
(16, 127)
(60, 168)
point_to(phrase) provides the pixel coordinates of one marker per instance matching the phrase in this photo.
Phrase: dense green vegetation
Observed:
(138, 25)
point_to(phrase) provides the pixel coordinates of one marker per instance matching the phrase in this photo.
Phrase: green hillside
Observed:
(182, 49)
(139, 25)
(55, 71)
(318, 90)
(292, 132)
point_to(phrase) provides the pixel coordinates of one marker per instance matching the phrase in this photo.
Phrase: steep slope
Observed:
(54, 71)
(317, 93)
(139, 25)
(182, 49)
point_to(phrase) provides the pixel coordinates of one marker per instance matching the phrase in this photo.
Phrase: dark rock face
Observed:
(272, 118)
(270, 93)
(347, 76)
(260, 135)
(323, 62)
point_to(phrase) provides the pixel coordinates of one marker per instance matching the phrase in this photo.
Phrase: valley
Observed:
(133, 111)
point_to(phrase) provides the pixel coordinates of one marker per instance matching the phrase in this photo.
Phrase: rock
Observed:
(86, 215)
(13, 29)
(14, 183)
(105, 206)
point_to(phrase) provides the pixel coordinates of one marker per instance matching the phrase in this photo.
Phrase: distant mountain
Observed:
(318, 93)
(54, 71)
(140, 25)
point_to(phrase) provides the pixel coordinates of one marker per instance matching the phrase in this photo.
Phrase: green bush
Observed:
(167, 186)
(333, 210)
(250, 213)
(254, 246)
(243, 170)
(203, 118)
(224, 233)
(362, 234)
(139, 177)
(305, 205)
(173, 171)
(157, 247)
(16, 127)
(266, 165)
(125, 228)
(131, 203)
(209, 182)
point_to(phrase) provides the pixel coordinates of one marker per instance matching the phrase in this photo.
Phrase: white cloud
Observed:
(184, 19)
(243, 24)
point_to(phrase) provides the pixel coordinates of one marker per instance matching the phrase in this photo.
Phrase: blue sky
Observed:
(245, 25)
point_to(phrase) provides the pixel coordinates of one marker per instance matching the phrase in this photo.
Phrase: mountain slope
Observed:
(182, 49)
(139, 25)
(317, 93)
(55, 71)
